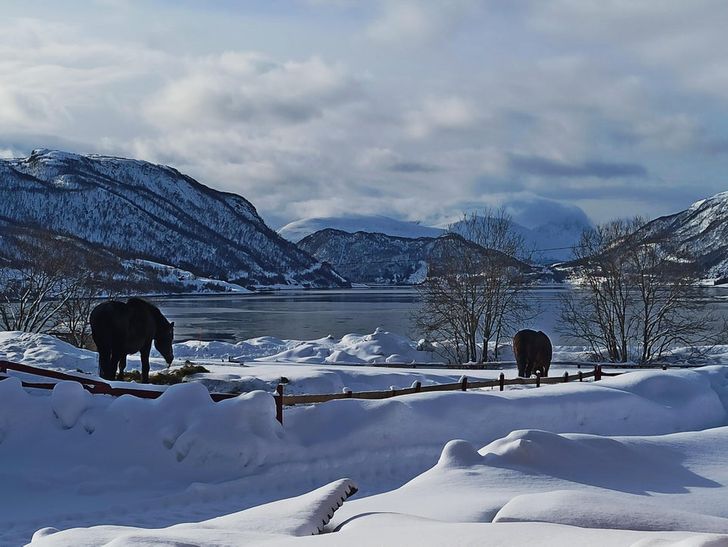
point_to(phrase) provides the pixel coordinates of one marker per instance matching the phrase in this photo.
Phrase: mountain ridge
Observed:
(142, 211)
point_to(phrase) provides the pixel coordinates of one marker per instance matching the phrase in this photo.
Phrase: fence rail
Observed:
(96, 386)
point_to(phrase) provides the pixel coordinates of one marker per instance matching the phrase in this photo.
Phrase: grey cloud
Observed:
(535, 165)
(414, 167)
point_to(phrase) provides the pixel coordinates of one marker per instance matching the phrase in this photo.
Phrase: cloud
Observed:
(533, 165)
(440, 113)
(414, 109)
(411, 23)
(246, 88)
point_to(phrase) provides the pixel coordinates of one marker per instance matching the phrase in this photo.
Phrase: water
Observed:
(306, 315)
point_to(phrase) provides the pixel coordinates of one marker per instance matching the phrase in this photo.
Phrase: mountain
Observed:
(297, 230)
(701, 231)
(375, 258)
(550, 241)
(148, 218)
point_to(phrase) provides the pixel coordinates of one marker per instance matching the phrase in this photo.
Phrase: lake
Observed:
(310, 314)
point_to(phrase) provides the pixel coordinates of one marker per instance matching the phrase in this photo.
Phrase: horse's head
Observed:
(163, 341)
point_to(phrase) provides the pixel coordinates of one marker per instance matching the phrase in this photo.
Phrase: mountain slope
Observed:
(550, 241)
(141, 211)
(297, 230)
(374, 258)
(701, 231)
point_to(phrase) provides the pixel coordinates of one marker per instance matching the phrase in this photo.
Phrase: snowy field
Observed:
(639, 459)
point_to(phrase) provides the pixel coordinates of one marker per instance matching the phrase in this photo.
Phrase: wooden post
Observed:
(581, 376)
(538, 378)
(664, 366)
(597, 373)
(502, 381)
(349, 393)
(279, 403)
(464, 383)
(566, 376)
(417, 386)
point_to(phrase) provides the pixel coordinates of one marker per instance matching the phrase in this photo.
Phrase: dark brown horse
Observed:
(122, 328)
(533, 352)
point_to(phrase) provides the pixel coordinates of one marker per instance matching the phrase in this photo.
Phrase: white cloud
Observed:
(235, 87)
(414, 109)
(436, 113)
(412, 22)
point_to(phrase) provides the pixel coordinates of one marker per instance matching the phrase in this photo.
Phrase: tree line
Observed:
(633, 297)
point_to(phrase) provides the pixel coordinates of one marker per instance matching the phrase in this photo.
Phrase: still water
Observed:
(306, 315)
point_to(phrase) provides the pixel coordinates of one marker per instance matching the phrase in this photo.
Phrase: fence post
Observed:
(349, 393)
(502, 381)
(538, 378)
(581, 376)
(464, 383)
(597, 373)
(279, 403)
(664, 366)
(566, 376)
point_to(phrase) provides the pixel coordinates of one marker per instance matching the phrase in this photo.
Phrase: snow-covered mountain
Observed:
(295, 231)
(374, 258)
(550, 242)
(149, 215)
(701, 231)
(547, 243)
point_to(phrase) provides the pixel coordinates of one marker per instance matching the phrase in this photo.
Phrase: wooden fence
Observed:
(463, 385)
(97, 386)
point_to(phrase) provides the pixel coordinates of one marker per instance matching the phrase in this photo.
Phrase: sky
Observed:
(418, 110)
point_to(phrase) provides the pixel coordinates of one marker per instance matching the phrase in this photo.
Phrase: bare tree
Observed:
(636, 298)
(49, 287)
(502, 280)
(475, 290)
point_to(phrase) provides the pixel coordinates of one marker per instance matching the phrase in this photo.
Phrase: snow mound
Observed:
(69, 400)
(612, 462)
(606, 510)
(44, 350)
(301, 516)
(459, 453)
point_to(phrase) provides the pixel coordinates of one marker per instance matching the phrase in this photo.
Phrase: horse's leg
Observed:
(529, 368)
(122, 366)
(116, 357)
(145, 362)
(104, 360)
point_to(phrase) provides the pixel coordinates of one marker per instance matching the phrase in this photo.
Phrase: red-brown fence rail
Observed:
(94, 385)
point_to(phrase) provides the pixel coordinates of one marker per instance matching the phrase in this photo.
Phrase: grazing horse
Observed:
(122, 328)
(533, 352)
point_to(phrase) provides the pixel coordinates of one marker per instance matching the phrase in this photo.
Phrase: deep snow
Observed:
(639, 452)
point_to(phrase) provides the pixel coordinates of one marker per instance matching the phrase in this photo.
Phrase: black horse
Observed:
(533, 352)
(122, 328)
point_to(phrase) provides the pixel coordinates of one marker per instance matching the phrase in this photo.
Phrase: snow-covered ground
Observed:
(634, 460)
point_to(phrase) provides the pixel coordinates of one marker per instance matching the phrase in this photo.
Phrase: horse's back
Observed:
(108, 322)
(531, 344)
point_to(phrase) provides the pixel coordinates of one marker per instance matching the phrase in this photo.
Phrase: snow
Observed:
(635, 459)
(295, 231)
(301, 516)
